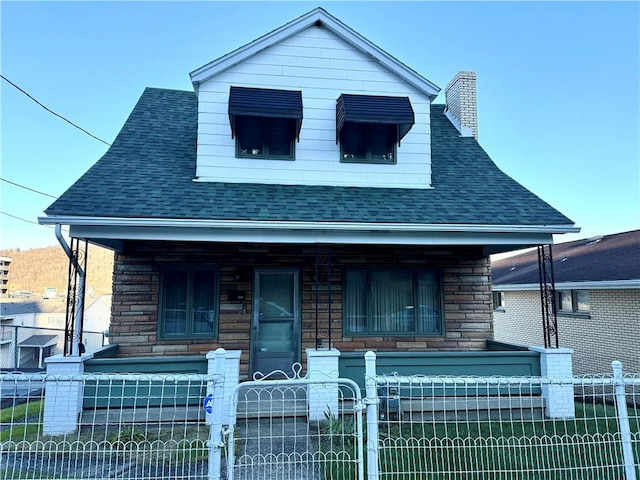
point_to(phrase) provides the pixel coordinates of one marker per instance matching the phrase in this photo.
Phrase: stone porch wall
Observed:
(136, 280)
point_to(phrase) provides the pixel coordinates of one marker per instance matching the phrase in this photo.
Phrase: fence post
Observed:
(16, 357)
(372, 415)
(623, 420)
(556, 366)
(322, 396)
(215, 428)
(63, 394)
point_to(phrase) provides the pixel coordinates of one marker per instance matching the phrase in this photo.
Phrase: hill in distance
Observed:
(37, 269)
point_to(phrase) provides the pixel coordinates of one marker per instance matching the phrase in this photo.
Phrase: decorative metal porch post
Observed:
(548, 296)
(323, 272)
(75, 296)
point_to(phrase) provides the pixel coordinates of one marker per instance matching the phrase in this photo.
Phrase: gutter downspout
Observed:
(77, 325)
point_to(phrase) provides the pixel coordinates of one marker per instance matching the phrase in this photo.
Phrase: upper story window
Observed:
(368, 143)
(369, 127)
(265, 122)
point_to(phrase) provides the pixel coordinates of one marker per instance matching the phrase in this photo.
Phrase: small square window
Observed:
(265, 137)
(573, 301)
(564, 301)
(582, 301)
(368, 143)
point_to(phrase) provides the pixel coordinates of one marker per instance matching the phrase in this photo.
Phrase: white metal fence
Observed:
(131, 426)
(295, 428)
(417, 427)
(499, 428)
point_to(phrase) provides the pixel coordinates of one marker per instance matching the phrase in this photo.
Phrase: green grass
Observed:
(19, 417)
(585, 447)
(19, 412)
(153, 445)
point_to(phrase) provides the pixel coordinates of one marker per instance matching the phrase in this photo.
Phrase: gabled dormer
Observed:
(313, 103)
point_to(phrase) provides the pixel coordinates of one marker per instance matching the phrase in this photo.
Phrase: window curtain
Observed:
(175, 302)
(428, 308)
(203, 301)
(355, 313)
(388, 302)
(392, 308)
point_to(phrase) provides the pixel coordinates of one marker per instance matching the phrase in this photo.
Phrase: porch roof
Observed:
(39, 341)
(148, 173)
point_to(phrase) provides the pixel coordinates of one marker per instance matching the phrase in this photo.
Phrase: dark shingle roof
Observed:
(148, 172)
(17, 307)
(39, 341)
(601, 259)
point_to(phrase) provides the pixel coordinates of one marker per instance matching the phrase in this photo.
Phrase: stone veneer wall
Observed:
(466, 284)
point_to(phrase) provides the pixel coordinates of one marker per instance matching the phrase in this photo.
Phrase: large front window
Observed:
(392, 302)
(188, 303)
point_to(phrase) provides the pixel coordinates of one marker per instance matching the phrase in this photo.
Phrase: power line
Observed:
(28, 221)
(51, 111)
(24, 219)
(27, 188)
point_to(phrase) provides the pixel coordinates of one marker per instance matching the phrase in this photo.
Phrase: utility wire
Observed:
(51, 111)
(29, 221)
(24, 219)
(27, 188)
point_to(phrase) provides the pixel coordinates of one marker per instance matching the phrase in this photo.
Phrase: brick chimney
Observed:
(461, 105)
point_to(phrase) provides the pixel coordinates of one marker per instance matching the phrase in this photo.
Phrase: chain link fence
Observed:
(25, 347)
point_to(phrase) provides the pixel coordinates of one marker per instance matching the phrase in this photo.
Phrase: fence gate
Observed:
(294, 427)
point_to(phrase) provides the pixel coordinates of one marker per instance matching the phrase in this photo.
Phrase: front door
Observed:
(275, 332)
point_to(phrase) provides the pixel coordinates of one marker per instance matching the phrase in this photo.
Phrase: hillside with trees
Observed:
(37, 269)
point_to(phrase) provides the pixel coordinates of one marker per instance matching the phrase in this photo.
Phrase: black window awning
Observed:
(265, 102)
(374, 109)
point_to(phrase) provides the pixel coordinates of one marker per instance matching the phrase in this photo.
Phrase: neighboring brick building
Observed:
(598, 301)
(307, 194)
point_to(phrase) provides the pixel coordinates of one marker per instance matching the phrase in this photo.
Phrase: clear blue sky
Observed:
(558, 87)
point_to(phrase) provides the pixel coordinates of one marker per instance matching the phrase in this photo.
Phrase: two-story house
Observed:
(306, 194)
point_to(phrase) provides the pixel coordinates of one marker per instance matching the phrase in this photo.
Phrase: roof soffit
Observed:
(315, 17)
